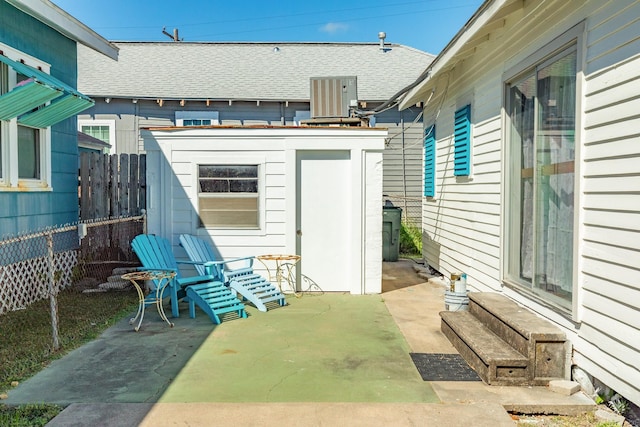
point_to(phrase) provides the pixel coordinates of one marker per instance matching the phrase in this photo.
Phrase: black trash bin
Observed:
(391, 223)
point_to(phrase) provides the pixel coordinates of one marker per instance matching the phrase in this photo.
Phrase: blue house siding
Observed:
(22, 212)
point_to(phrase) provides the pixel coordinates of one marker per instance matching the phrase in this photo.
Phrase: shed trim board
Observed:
(174, 153)
(469, 226)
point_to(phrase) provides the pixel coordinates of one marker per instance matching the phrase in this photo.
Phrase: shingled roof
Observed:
(245, 71)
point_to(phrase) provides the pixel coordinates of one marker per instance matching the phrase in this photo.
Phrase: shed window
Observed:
(228, 196)
(462, 141)
(430, 161)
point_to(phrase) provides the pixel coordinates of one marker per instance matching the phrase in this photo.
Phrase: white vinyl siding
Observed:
(464, 226)
(610, 244)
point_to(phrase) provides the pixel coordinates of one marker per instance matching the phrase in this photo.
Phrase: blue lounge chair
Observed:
(251, 286)
(205, 291)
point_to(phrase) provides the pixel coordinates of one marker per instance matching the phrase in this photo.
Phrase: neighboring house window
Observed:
(430, 161)
(228, 196)
(196, 118)
(462, 142)
(104, 130)
(541, 108)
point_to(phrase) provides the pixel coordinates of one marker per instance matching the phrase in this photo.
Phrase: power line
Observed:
(314, 24)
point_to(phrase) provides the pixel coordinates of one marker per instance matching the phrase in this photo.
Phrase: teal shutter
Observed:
(430, 161)
(462, 142)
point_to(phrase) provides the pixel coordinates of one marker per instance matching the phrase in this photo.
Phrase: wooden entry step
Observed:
(505, 343)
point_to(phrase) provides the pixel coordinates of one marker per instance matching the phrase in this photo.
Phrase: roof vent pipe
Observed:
(382, 35)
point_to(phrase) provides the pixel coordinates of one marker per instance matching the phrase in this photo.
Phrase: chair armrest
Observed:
(195, 279)
(248, 263)
(211, 268)
(205, 263)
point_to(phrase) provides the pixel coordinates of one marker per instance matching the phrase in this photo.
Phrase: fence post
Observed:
(53, 303)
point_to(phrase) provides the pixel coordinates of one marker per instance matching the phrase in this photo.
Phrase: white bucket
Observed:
(455, 301)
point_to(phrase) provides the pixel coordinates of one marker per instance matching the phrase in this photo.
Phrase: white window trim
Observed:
(102, 122)
(181, 116)
(10, 180)
(239, 159)
(576, 35)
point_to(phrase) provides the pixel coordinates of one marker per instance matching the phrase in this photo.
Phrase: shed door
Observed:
(323, 218)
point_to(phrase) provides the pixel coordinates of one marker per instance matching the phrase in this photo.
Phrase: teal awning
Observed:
(58, 110)
(25, 98)
(41, 88)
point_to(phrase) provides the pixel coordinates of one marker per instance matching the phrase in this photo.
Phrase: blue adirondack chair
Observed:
(205, 291)
(250, 285)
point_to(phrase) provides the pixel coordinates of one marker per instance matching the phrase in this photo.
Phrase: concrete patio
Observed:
(323, 360)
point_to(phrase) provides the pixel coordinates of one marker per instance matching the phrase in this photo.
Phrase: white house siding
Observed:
(462, 224)
(609, 346)
(174, 153)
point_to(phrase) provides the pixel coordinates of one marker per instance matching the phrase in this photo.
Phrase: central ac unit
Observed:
(332, 96)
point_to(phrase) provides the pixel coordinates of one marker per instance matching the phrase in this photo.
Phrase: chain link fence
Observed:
(411, 208)
(37, 265)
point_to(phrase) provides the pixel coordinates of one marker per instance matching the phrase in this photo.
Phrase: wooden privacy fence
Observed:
(111, 185)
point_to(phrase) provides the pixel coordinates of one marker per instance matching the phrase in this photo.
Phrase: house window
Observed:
(196, 118)
(228, 196)
(25, 150)
(104, 130)
(4, 88)
(462, 142)
(29, 143)
(541, 108)
(430, 161)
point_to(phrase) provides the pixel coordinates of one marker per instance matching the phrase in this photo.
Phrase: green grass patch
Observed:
(28, 415)
(410, 240)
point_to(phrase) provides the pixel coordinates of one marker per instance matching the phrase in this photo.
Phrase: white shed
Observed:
(313, 192)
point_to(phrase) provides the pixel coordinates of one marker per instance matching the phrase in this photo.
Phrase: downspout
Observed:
(283, 122)
(404, 167)
(136, 125)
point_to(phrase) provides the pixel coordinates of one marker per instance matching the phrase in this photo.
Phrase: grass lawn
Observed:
(27, 344)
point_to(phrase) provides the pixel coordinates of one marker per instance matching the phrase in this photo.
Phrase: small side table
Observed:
(284, 265)
(161, 279)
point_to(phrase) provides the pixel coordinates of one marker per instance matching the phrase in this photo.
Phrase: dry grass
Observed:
(588, 419)
(26, 344)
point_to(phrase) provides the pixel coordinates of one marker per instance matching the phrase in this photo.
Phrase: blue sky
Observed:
(426, 25)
